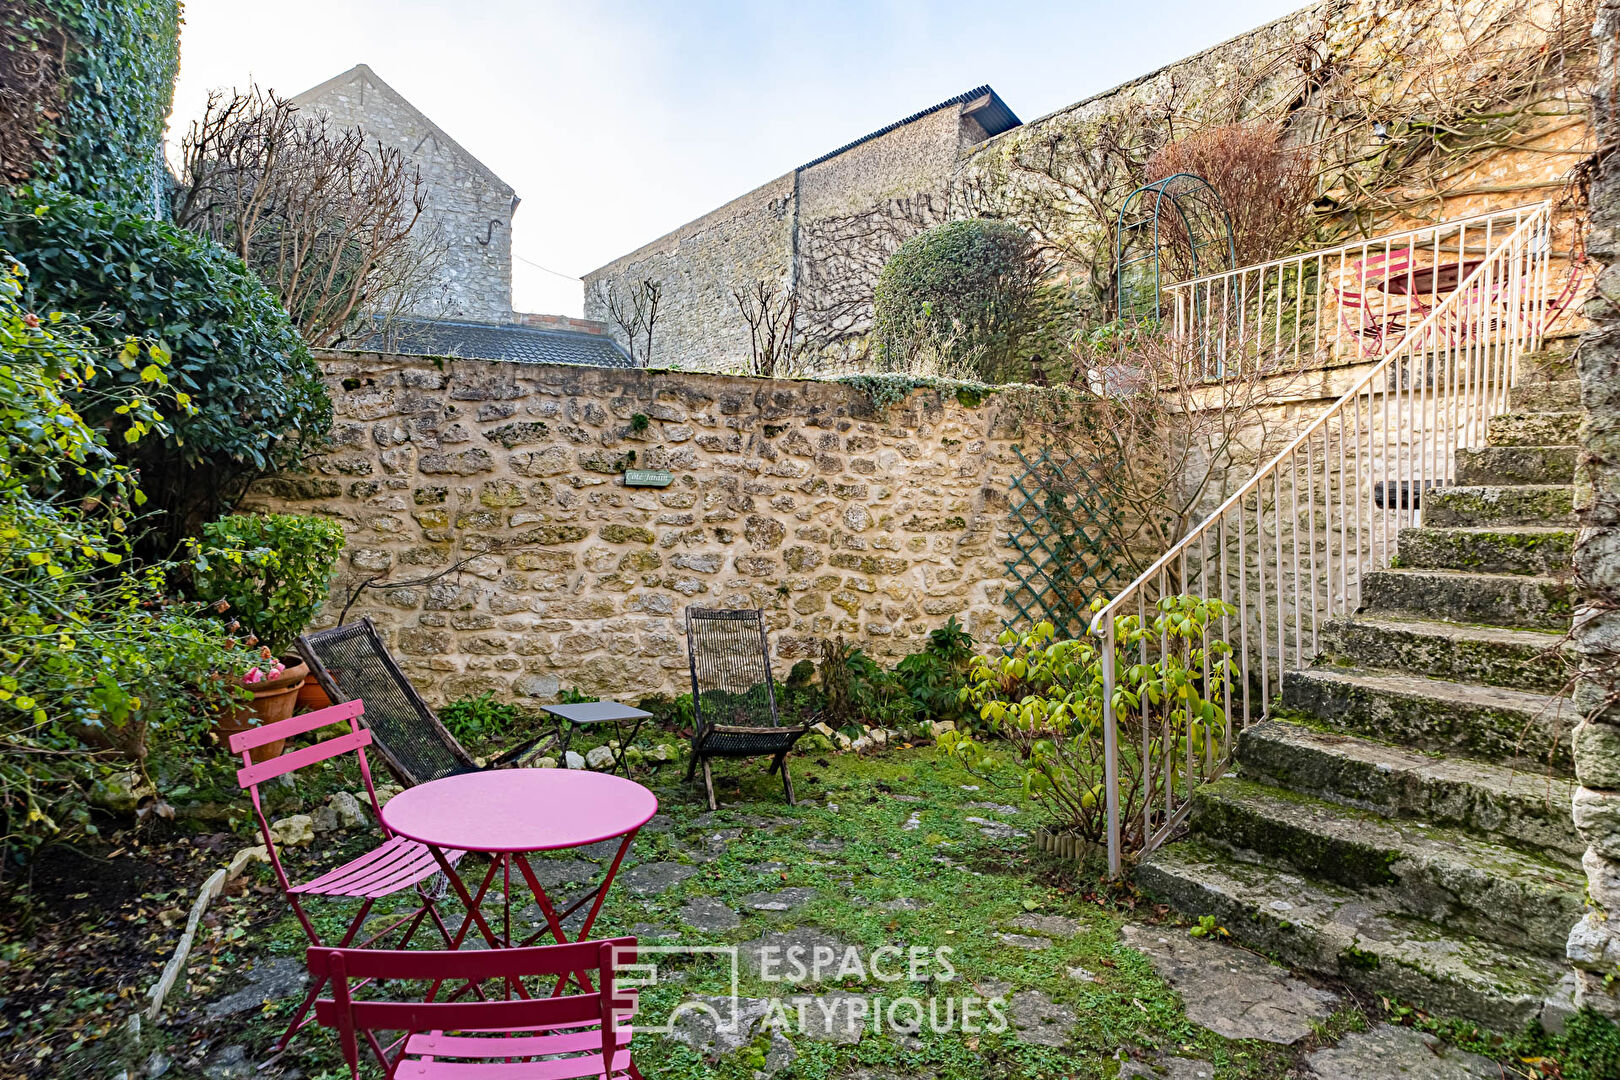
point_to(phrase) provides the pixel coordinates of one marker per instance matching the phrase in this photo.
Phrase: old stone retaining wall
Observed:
(1594, 943)
(798, 497)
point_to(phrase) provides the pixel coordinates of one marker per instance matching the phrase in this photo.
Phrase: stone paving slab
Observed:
(709, 914)
(1396, 1053)
(781, 900)
(1231, 992)
(651, 879)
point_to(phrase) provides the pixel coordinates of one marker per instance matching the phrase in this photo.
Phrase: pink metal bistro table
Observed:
(508, 813)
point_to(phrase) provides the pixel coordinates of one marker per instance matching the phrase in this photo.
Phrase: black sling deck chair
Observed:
(733, 695)
(351, 662)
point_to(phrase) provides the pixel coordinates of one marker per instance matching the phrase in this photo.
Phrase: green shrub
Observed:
(261, 403)
(97, 127)
(856, 690)
(475, 720)
(272, 571)
(982, 286)
(96, 663)
(1044, 697)
(934, 677)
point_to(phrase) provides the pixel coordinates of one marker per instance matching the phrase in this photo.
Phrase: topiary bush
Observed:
(260, 401)
(94, 82)
(979, 289)
(273, 571)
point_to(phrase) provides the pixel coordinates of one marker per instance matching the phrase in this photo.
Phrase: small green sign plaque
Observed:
(648, 478)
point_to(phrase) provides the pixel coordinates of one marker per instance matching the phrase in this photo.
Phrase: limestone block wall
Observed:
(798, 497)
(1594, 944)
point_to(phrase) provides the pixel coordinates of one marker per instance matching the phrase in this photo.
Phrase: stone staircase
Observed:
(1403, 821)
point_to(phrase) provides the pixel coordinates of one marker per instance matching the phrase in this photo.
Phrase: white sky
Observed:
(619, 121)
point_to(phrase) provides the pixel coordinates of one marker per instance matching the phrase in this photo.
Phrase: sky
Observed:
(620, 120)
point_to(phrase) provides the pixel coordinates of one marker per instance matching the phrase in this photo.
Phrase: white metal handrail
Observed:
(1288, 549)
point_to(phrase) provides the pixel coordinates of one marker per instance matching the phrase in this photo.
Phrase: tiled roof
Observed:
(488, 341)
(993, 116)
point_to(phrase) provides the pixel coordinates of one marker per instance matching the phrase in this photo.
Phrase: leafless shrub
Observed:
(331, 224)
(1265, 187)
(634, 312)
(1159, 434)
(772, 314)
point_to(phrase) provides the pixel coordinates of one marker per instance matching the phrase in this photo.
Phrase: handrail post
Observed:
(1111, 753)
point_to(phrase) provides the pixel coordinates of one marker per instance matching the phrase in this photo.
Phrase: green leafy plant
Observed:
(573, 695)
(104, 91)
(1207, 927)
(271, 571)
(855, 690)
(97, 661)
(473, 720)
(261, 402)
(978, 288)
(934, 678)
(1044, 696)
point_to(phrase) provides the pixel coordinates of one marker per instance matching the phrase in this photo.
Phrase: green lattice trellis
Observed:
(1061, 527)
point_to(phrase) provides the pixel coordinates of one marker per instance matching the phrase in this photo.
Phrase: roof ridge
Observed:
(960, 99)
(365, 71)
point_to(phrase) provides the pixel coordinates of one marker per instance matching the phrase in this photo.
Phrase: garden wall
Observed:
(798, 497)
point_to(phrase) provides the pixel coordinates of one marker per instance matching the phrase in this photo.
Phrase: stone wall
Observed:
(469, 208)
(793, 496)
(1594, 944)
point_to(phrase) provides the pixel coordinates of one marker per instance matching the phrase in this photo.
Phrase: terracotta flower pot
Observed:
(312, 696)
(273, 700)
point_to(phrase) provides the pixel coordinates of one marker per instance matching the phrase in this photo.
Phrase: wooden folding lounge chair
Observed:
(528, 1035)
(394, 866)
(351, 662)
(733, 694)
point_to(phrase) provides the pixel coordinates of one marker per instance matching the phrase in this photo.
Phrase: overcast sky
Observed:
(617, 122)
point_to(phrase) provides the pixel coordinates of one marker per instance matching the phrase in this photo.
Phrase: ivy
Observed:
(102, 133)
(886, 389)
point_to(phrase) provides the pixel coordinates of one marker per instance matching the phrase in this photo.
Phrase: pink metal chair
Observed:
(392, 867)
(521, 1037)
(1381, 325)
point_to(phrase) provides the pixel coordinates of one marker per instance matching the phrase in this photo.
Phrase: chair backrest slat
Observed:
(467, 963)
(606, 1006)
(351, 661)
(292, 761)
(730, 660)
(253, 738)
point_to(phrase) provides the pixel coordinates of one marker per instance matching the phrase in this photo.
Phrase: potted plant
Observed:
(268, 574)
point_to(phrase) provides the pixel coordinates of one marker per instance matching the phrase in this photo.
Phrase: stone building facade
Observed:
(824, 230)
(1594, 944)
(469, 208)
(508, 482)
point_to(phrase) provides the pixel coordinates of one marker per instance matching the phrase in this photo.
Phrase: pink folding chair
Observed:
(1385, 323)
(396, 865)
(526, 1037)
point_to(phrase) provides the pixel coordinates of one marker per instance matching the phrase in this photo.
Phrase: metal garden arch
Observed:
(1178, 224)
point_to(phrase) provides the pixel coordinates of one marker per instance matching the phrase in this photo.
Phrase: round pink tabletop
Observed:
(520, 809)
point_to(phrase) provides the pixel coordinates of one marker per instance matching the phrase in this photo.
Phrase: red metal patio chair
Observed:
(539, 1037)
(394, 866)
(1382, 324)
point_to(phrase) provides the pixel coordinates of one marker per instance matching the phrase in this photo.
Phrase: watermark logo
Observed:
(928, 993)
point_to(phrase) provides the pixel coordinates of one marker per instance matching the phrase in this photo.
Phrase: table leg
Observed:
(474, 915)
(554, 921)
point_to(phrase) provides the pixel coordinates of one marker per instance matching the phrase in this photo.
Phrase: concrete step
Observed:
(1526, 809)
(1553, 362)
(1436, 873)
(1335, 931)
(1544, 552)
(1489, 465)
(1513, 728)
(1534, 429)
(1521, 659)
(1514, 600)
(1500, 504)
(1561, 395)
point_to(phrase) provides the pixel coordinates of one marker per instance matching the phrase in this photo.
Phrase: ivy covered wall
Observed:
(85, 89)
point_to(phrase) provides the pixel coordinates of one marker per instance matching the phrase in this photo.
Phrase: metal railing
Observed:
(1457, 304)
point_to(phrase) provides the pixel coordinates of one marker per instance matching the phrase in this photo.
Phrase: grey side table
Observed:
(587, 713)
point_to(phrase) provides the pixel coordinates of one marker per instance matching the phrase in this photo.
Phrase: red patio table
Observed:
(507, 813)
